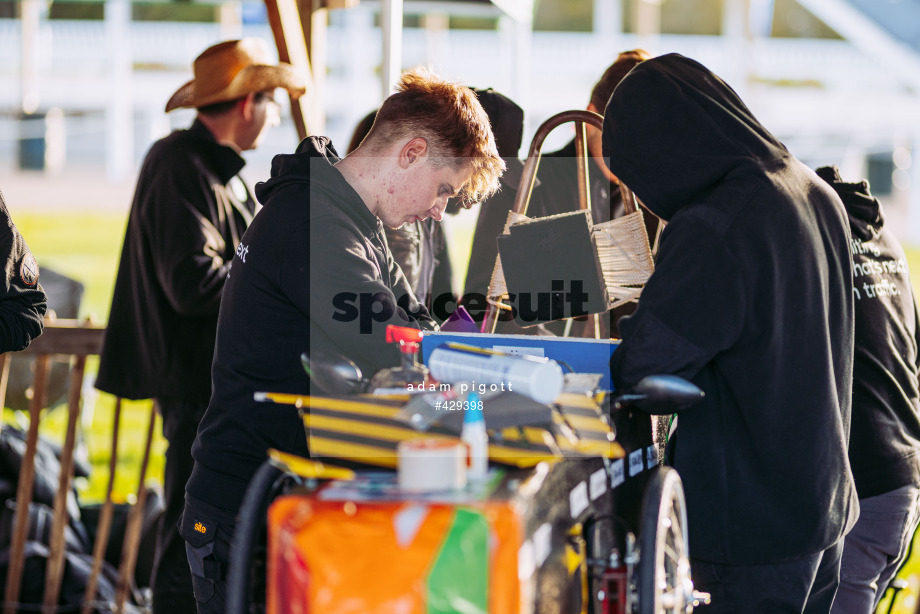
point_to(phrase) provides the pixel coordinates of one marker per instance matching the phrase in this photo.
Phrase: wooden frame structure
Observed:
(76, 341)
(299, 29)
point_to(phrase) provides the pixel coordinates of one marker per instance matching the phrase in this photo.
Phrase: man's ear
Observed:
(591, 107)
(247, 104)
(413, 151)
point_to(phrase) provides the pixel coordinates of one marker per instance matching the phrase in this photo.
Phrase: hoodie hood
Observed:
(506, 119)
(863, 210)
(312, 165)
(673, 130)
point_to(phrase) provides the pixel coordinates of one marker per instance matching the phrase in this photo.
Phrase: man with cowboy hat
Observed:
(189, 211)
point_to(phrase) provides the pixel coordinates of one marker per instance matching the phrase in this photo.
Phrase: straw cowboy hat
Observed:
(232, 69)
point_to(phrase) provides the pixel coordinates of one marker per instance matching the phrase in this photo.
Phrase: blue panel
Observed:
(582, 355)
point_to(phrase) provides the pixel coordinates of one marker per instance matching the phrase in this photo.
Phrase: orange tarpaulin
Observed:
(384, 556)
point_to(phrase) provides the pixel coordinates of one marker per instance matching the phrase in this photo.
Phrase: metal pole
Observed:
(391, 12)
(230, 15)
(913, 200)
(608, 19)
(119, 128)
(648, 22)
(30, 20)
(736, 30)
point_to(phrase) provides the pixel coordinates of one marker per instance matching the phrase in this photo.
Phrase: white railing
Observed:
(80, 46)
(804, 86)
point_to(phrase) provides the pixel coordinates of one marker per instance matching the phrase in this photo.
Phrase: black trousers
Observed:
(171, 580)
(804, 586)
(208, 534)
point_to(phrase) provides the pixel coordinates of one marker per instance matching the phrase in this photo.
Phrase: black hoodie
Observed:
(302, 268)
(752, 301)
(885, 435)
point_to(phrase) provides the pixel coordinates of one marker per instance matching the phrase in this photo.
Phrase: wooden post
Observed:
(287, 25)
(24, 489)
(314, 15)
(60, 337)
(105, 518)
(54, 574)
(132, 537)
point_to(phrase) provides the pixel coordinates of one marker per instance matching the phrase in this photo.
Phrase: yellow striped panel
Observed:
(335, 448)
(358, 428)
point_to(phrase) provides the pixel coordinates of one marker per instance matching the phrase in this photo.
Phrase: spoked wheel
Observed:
(663, 582)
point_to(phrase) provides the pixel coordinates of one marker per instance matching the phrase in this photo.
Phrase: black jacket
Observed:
(885, 433)
(312, 274)
(558, 188)
(555, 191)
(420, 250)
(190, 209)
(493, 213)
(752, 300)
(22, 300)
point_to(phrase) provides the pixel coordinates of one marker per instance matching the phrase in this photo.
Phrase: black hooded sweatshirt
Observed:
(885, 432)
(752, 300)
(302, 268)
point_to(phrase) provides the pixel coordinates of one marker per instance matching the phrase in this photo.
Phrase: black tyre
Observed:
(663, 582)
(250, 529)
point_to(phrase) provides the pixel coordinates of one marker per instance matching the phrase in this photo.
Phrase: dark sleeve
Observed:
(23, 302)
(493, 213)
(442, 282)
(406, 300)
(344, 295)
(191, 256)
(405, 246)
(691, 309)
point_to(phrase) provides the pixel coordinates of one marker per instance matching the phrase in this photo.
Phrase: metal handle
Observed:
(529, 175)
(630, 202)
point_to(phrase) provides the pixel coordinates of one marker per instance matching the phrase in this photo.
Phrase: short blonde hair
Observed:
(449, 117)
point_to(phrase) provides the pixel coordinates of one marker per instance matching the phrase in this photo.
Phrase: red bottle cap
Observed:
(407, 338)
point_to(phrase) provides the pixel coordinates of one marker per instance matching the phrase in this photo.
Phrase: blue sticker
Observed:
(636, 465)
(617, 473)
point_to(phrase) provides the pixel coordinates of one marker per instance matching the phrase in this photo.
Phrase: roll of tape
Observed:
(427, 464)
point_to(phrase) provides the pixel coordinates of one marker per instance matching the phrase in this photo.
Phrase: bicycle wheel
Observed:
(259, 494)
(663, 583)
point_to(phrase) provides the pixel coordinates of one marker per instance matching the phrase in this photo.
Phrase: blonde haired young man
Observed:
(314, 273)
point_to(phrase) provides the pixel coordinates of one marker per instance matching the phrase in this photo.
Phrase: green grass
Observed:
(906, 600)
(83, 246)
(87, 247)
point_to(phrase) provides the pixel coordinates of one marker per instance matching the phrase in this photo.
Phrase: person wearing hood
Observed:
(189, 210)
(751, 300)
(507, 120)
(313, 274)
(885, 437)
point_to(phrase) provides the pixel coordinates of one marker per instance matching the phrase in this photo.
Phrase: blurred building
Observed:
(83, 84)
